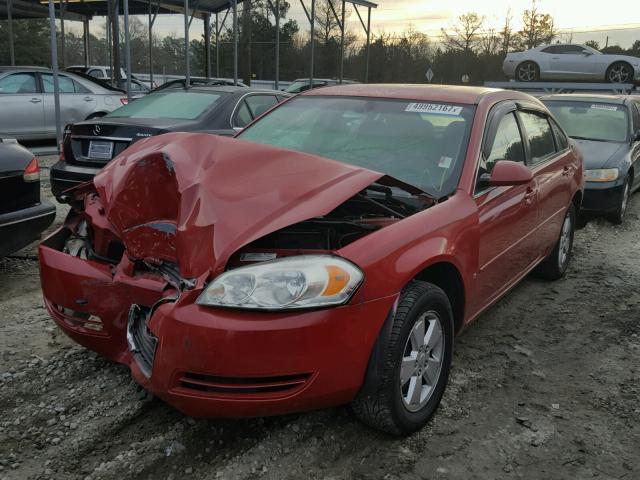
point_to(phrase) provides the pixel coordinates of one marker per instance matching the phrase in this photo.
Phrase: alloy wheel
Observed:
(527, 72)
(565, 241)
(619, 74)
(422, 361)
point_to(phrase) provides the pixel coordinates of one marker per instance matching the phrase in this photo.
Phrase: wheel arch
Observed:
(577, 201)
(606, 75)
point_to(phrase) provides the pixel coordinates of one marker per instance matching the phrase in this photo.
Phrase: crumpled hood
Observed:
(195, 199)
(598, 154)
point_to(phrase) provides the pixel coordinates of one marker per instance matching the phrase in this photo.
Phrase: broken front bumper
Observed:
(211, 362)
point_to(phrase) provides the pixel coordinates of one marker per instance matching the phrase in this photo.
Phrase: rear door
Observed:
(21, 106)
(76, 101)
(635, 146)
(553, 166)
(507, 216)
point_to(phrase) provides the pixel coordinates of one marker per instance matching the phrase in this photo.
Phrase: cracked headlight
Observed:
(306, 281)
(602, 175)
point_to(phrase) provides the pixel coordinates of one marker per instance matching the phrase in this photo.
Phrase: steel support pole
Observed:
(366, 64)
(342, 27)
(150, 47)
(127, 49)
(217, 48)
(313, 41)
(63, 53)
(277, 44)
(235, 42)
(54, 67)
(187, 77)
(12, 54)
(85, 30)
(109, 42)
(116, 74)
(207, 45)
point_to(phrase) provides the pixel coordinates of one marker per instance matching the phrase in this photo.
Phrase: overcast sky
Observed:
(621, 24)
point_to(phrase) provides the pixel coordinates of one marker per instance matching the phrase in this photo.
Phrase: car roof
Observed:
(581, 97)
(9, 68)
(223, 89)
(442, 93)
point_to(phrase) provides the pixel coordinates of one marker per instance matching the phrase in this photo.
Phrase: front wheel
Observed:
(416, 363)
(527, 72)
(554, 266)
(617, 217)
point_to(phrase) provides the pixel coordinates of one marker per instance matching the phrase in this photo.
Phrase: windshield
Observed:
(604, 122)
(179, 105)
(423, 144)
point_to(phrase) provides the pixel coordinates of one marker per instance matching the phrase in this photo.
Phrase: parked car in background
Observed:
(23, 214)
(606, 128)
(571, 62)
(197, 82)
(103, 72)
(88, 146)
(302, 84)
(327, 255)
(28, 107)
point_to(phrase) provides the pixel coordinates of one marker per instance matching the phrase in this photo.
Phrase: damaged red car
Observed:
(328, 255)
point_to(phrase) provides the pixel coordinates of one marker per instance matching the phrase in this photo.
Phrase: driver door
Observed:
(574, 62)
(507, 216)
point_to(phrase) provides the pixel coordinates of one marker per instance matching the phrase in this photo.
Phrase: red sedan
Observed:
(327, 255)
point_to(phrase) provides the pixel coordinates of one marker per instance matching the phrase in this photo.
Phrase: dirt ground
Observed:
(544, 385)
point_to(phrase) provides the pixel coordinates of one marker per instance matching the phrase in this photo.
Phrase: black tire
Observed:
(555, 265)
(619, 72)
(384, 408)
(617, 217)
(528, 72)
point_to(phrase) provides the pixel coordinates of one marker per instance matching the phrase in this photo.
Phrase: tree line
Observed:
(468, 50)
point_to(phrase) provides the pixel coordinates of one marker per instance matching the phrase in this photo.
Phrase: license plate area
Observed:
(99, 150)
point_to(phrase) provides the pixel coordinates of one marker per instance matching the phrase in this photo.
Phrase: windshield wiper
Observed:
(589, 139)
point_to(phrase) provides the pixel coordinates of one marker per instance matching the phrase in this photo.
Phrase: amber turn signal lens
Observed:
(338, 279)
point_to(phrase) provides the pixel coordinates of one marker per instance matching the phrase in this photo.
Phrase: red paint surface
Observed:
(196, 199)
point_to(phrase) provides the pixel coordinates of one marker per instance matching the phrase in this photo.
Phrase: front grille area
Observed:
(242, 385)
(141, 341)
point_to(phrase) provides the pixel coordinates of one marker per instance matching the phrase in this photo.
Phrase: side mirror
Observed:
(507, 173)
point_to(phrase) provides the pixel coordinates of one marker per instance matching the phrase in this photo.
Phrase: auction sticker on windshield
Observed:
(434, 108)
(601, 106)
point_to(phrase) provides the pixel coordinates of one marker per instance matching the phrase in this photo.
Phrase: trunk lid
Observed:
(15, 193)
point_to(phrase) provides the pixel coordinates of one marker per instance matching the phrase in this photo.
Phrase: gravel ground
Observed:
(544, 385)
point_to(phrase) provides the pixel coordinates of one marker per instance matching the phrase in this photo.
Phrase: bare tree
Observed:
(507, 34)
(538, 28)
(465, 34)
(490, 42)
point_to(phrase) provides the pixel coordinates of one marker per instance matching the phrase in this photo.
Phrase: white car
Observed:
(571, 62)
(27, 105)
(104, 73)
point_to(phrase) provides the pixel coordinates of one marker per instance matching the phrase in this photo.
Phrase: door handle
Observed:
(529, 195)
(87, 99)
(555, 58)
(35, 100)
(566, 171)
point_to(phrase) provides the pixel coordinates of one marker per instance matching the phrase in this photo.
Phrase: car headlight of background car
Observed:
(602, 175)
(305, 281)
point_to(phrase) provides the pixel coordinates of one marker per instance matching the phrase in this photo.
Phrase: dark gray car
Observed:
(90, 145)
(606, 129)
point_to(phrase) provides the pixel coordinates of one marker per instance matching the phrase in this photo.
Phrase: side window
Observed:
(258, 104)
(635, 114)
(507, 145)
(65, 83)
(539, 134)
(18, 83)
(561, 139)
(243, 116)
(96, 73)
(80, 88)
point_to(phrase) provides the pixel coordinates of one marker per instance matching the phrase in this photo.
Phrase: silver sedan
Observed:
(571, 62)
(27, 101)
